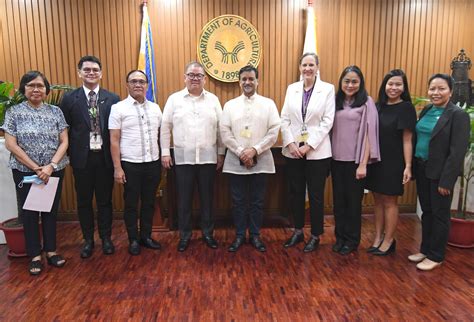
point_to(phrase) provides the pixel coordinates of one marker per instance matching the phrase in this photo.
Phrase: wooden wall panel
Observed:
(420, 36)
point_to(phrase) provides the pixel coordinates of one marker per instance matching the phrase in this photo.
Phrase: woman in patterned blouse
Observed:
(36, 136)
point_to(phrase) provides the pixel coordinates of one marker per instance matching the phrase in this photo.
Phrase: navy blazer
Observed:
(76, 112)
(448, 145)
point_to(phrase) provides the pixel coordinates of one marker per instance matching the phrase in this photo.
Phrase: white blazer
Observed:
(319, 119)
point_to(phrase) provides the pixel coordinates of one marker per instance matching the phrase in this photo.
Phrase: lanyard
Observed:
(305, 101)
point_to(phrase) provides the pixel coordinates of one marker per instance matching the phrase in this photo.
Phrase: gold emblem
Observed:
(226, 44)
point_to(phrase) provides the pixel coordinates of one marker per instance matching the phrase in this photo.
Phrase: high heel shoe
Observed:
(372, 249)
(390, 250)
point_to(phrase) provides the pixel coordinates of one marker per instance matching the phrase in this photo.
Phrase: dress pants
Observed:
(31, 218)
(313, 173)
(96, 178)
(142, 181)
(186, 175)
(435, 221)
(248, 194)
(347, 199)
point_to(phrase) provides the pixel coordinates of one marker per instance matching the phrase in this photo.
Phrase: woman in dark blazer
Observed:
(442, 140)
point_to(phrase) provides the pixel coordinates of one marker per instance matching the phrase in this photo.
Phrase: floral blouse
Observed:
(37, 132)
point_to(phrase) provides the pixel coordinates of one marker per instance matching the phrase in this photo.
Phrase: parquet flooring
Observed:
(214, 285)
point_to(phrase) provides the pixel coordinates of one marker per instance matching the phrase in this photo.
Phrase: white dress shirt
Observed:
(194, 123)
(139, 125)
(318, 121)
(249, 123)
(96, 90)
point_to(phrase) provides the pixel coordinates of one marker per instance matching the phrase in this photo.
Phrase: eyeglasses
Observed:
(138, 81)
(195, 76)
(35, 86)
(88, 70)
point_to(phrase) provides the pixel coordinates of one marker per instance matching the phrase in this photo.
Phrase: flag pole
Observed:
(146, 61)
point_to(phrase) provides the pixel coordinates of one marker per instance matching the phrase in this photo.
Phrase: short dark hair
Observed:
(309, 54)
(136, 71)
(446, 77)
(383, 98)
(361, 96)
(248, 68)
(88, 58)
(195, 64)
(29, 76)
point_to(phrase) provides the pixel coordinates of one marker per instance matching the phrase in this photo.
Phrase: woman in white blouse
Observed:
(306, 119)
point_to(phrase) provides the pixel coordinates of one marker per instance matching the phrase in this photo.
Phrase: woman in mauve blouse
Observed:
(354, 144)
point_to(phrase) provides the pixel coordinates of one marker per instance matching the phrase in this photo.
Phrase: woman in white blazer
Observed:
(306, 120)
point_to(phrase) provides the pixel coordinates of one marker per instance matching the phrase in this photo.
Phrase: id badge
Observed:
(304, 134)
(303, 137)
(95, 142)
(246, 133)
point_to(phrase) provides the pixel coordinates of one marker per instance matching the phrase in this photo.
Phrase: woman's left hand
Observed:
(406, 175)
(443, 191)
(361, 172)
(44, 172)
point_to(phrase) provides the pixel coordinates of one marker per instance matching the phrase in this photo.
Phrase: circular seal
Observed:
(226, 44)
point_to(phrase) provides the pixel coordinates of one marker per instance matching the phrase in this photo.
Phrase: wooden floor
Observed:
(206, 285)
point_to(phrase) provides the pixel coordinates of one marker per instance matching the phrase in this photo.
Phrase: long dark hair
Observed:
(383, 98)
(360, 97)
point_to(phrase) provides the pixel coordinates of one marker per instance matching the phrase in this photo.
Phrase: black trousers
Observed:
(142, 181)
(313, 173)
(96, 178)
(186, 176)
(435, 221)
(347, 198)
(248, 196)
(31, 218)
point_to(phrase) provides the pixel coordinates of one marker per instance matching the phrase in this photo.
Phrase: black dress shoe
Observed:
(150, 243)
(258, 244)
(296, 238)
(87, 248)
(239, 241)
(390, 250)
(337, 246)
(210, 241)
(346, 250)
(183, 245)
(311, 245)
(107, 246)
(134, 248)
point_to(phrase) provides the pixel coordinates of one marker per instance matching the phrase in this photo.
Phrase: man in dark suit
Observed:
(87, 111)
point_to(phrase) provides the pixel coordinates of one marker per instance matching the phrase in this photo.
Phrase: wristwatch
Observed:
(54, 165)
